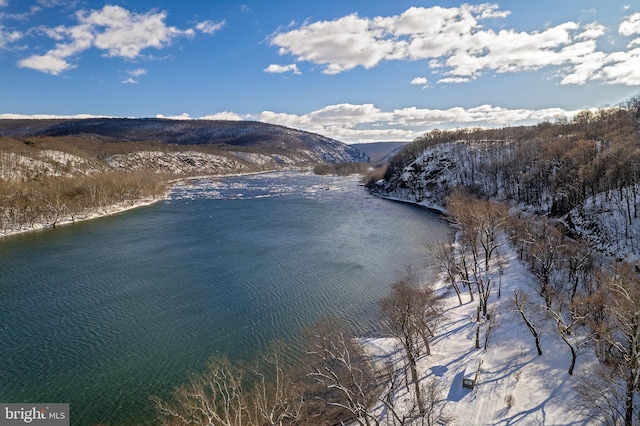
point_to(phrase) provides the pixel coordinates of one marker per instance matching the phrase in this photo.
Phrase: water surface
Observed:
(102, 314)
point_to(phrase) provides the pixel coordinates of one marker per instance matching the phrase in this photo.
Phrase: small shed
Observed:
(470, 378)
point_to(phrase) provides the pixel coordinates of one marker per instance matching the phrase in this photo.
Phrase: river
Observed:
(105, 313)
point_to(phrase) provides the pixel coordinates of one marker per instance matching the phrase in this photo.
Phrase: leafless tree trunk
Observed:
(519, 303)
(341, 367)
(566, 331)
(445, 254)
(410, 314)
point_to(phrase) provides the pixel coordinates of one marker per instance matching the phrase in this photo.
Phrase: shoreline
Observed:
(98, 213)
(431, 207)
(106, 211)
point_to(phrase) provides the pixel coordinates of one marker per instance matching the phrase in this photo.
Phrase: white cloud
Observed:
(125, 34)
(365, 122)
(592, 31)
(7, 37)
(183, 116)
(225, 115)
(631, 25)
(420, 81)
(137, 72)
(113, 29)
(622, 68)
(49, 63)
(341, 44)
(456, 43)
(280, 69)
(4, 3)
(210, 27)
(134, 75)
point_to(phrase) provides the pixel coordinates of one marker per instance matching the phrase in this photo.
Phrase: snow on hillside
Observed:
(426, 180)
(609, 223)
(44, 163)
(177, 162)
(514, 384)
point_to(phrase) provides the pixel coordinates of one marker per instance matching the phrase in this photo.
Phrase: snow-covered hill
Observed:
(608, 221)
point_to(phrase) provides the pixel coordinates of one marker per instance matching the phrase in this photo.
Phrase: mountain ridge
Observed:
(221, 134)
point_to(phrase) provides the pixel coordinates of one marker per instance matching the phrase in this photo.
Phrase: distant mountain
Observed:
(379, 152)
(247, 136)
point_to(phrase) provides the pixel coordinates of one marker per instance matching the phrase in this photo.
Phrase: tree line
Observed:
(49, 201)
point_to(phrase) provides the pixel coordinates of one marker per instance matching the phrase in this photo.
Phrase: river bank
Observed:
(110, 210)
(93, 214)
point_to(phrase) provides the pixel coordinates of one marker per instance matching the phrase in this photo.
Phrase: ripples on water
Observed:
(103, 314)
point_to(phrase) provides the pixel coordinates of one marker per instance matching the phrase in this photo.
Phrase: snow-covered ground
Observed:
(539, 388)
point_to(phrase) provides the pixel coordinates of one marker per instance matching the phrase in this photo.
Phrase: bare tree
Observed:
(213, 396)
(482, 224)
(601, 395)
(566, 329)
(411, 313)
(618, 327)
(519, 305)
(445, 254)
(276, 399)
(230, 395)
(344, 372)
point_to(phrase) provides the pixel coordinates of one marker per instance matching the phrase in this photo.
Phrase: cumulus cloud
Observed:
(420, 81)
(49, 63)
(113, 29)
(365, 122)
(225, 115)
(458, 44)
(281, 69)
(630, 26)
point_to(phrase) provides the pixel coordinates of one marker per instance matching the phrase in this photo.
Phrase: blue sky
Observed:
(354, 70)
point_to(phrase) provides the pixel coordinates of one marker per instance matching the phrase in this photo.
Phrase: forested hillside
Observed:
(586, 172)
(59, 170)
